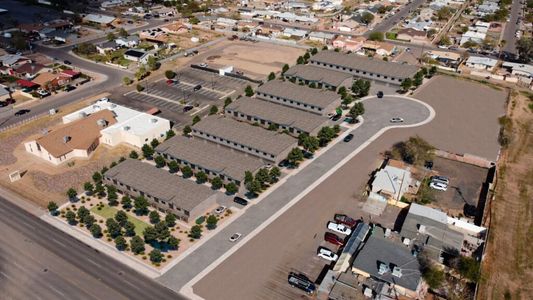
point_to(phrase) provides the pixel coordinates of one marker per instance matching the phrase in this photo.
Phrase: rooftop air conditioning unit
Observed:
(383, 268)
(153, 120)
(126, 128)
(101, 122)
(66, 139)
(397, 271)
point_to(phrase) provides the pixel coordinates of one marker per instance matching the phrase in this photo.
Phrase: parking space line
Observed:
(204, 107)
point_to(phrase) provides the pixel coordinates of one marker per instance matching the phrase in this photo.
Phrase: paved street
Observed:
(38, 261)
(511, 27)
(396, 18)
(378, 115)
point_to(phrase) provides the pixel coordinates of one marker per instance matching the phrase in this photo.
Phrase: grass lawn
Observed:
(109, 212)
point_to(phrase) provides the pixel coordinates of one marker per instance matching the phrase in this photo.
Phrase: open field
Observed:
(507, 270)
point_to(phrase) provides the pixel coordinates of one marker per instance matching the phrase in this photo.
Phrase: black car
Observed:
(66, 62)
(187, 108)
(348, 138)
(302, 282)
(22, 112)
(197, 87)
(240, 201)
(380, 94)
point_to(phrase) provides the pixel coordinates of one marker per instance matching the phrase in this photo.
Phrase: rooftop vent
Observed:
(126, 128)
(96, 107)
(113, 105)
(421, 228)
(406, 241)
(101, 122)
(83, 114)
(153, 120)
(383, 268)
(397, 271)
(387, 232)
(66, 139)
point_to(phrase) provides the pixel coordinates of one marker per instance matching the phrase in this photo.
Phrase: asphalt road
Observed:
(37, 261)
(511, 27)
(378, 114)
(396, 18)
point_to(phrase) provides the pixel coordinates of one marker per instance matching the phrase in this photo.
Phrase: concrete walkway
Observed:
(212, 252)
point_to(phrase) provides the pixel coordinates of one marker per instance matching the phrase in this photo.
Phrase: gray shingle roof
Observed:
(159, 183)
(379, 249)
(363, 63)
(245, 134)
(299, 93)
(278, 113)
(211, 156)
(318, 74)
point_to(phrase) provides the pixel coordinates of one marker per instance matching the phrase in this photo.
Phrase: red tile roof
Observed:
(26, 83)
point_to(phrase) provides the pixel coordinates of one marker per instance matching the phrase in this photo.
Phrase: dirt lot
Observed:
(507, 270)
(474, 109)
(251, 57)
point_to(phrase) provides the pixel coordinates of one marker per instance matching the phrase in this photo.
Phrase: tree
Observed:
(295, 156)
(201, 177)
(216, 183)
(186, 171)
(154, 217)
(432, 71)
(310, 143)
(141, 73)
(152, 63)
(173, 166)
(121, 217)
(82, 213)
(433, 277)
(306, 56)
(112, 195)
(173, 243)
(248, 176)
(162, 231)
(196, 232)
(137, 245)
(122, 32)
(126, 80)
(468, 267)
(169, 74)
(376, 36)
(139, 88)
(71, 193)
(367, 18)
(154, 143)
(111, 36)
(97, 177)
(126, 202)
(300, 60)
(169, 134)
(227, 101)
(170, 219)
(262, 176)
(160, 161)
(212, 222)
(271, 76)
(104, 169)
(141, 205)
(525, 49)
(213, 110)
(96, 231)
(99, 189)
(196, 119)
(356, 110)
(314, 51)
(361, 87)
(444, 13)
(113, 228)
(156, 256)
(325, 135)
(445, 41)
(134, 155)
(85, 49)
(88, 220)
(470, 44)
(254, 187)
(150, 234)
(129, 229)
(406, 84)
(120, 243)
(71, 217)
(186, 130)
(231, 188)
(52, 207)
(148, 152)
(342, 91)
(418, 79)
(248, 91)
(274, 174)
(88, 188)
(285, 68)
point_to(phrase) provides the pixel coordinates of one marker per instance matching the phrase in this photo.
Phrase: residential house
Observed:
(137, 55)
(50, 81)
(391, 183)
(481, 63)
(520, 70)
(156, 35)
(106, 47)
(29, 70)
(379, 48)
(322, 37)
(4, 93)
(419, 25)
(346, 25)
(349, 43)
(473, 36)
(295, 33)
(412, 35)
(13, 60)
(449, 59)
(176, 28)
(100, 20)
(128, 42)
(322, 78)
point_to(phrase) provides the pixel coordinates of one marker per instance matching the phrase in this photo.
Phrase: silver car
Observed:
(396, 120)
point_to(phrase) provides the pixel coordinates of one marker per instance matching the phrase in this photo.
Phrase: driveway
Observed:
(294, 188)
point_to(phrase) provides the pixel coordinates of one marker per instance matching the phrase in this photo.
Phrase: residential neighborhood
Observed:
(265, 149)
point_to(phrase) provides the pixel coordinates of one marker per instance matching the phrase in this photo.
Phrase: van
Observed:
(302, 282)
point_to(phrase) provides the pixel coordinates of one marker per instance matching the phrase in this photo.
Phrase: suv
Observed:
(187, 108)
(302, 282)
(344, 219)
(380, 94)
(197, 87)
(348, 138)
(240, 201)
(333, 238)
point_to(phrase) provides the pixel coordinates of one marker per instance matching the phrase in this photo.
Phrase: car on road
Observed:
(204, 65)
(220, 210)
(344, 219)
(235, 237)
(348, 138)
(333, 238)
(327, 254)
(340, 228)
(396, 120)
(187, 108)
(438, 186)
(22, 112)
(441, 179)
(380, 94)
(197, 87)
(302, 282)
(69, 88)
(240, 201)
(43, 93)
(67, 62)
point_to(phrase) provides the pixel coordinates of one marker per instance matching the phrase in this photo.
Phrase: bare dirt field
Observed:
(507, 270)
(256, 59)
(467, 115)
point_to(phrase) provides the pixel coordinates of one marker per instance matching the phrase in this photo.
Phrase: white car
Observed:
(340, 228)
(440, 179)
(438, 186)
(203, 65)
(234, 237)
(220, 210)
(396, 120)
(327, 254)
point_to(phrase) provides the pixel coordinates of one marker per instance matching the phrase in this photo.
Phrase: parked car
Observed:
(396, 120)
(67, 62)
(344, 219)
(440, 179)
(22, 112)
(43, 93)
(240, 200)
(428, 164)
(69, 88)
(234, 237)
(170, 81)
(438, 186)
(348, 138)
(302, 282)
(340, 228)
(197, 87)
(203, 65)
(187, 108)
(333, 239)
(220, 210)
(327, 254)
(380, 94)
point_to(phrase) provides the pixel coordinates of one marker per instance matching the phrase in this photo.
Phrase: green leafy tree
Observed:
(433, 277)
(216, 183)
(201, 177)
(295, 156)
(120, 243)
(83, 212)
(186, 171)
(361, 87)
(187, 130)
(271, 76)
(96, 231)
(314, 51)
(262, 176)
(141, 205)
(469, 268)
(88, 187)
(97, 177)
(154, 217)
(212, 222)
(104, 169)
(285, 68)
(150, 234)
(154, 143)
(111, 36)
(129, 229)
(121, 217)
(141, 73)
(170, 219)
(248, 176)
(254, 187)
(173, 166)
(99, 189)
(274, 174)
(525, 48)
(248, 91)
(148, 152)
(152, 63)
(213, 110)
(376, 36)
(173, 243)
(123, 33)
(156, 256)
(134, 155)
(432, 71)
(52, 207)
(126, 80)
(162, 231)
(88, 221)
(309, 143)
(406, 84)
(71, 193)
(137, 245)
(126, 202)
(169, 134)
(306, 56)
(358, 109)
(325, 135)
(196, 119)
(169, 74)
(159, 161)
(300, 60)
(112, 196)
(444, 13)
(113, 228)
(196, 232)
(139, 87)
(367, 18)
(231, 188)
(71, 217)
(418, 79)
(342, 91)
(227, 101)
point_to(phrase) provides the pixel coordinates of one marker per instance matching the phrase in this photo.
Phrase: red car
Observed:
(333, 238)
(344, 219)
(170, 81)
